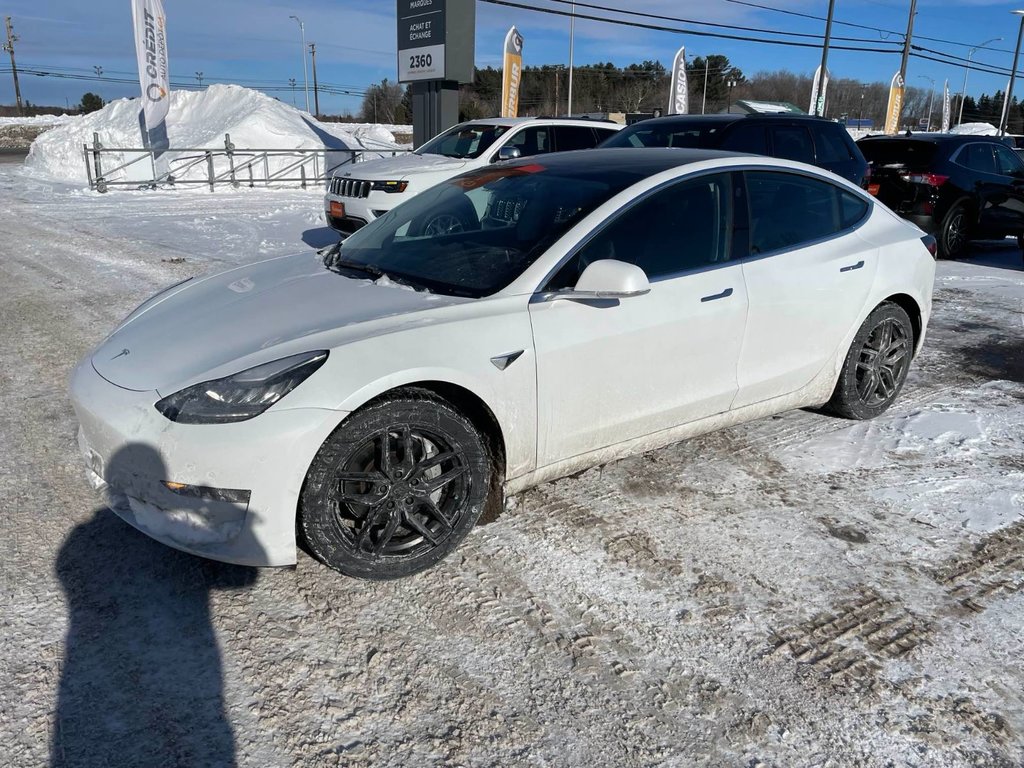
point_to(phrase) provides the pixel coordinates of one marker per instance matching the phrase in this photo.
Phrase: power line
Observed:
(678, 30)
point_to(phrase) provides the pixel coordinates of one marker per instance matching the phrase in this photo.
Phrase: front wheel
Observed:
(876, 365)
(396, 488)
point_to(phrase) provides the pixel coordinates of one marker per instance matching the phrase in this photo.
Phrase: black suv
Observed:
(812, 140)
(958, 188)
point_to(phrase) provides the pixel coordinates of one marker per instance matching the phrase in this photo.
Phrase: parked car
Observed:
(602, 304)
(959, 188)
(811, 140)
(363, 192)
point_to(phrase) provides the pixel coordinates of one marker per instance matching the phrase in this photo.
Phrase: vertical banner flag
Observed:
(679, 97)
(946, 108)
(150, 26)
(513, 71)
(818, 99)
(892, 114)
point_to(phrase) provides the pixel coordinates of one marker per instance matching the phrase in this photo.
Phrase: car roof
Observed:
(730, 118)
(638, 161)
(935, 138)
(511, 121)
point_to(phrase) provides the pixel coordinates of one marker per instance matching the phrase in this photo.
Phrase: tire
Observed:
(876, 366)
(954, 234)
(1020, 244)
(377, 514)
(462, 220)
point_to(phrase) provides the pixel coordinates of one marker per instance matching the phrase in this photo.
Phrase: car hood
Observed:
(402, 166)
(231, 321)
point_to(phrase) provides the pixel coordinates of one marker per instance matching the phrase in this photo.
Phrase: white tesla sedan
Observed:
(376, 400)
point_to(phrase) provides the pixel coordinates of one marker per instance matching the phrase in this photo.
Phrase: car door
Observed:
(611, 371)
(573, 137)
(808, 275)
(1003, 212)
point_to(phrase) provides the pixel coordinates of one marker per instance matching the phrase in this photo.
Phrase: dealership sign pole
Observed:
(436, 52)
(512, 73)
(150, 25)
(679, 97)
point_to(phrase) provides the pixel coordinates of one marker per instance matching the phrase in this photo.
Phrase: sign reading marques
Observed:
(436, 40)
(421, 40)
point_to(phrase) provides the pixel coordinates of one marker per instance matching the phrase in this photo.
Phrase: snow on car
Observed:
(357, 196)
(591, 305)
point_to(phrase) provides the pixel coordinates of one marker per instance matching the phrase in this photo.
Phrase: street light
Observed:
(1013, 76)
(704, 98)
(305, 77)
(291, 82)
(572, 42)
(98, 71)
(199, 77)
(931, 94)
(967, 71)
(731, 84)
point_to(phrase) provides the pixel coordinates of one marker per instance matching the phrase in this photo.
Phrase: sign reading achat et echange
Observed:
(436, 40)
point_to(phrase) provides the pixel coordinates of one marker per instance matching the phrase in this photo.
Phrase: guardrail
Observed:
(212, 167)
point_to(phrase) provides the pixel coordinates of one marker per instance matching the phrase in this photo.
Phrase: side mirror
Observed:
(509, 153)
(609, 279)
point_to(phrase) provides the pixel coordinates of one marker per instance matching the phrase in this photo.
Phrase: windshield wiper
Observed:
(367, 269)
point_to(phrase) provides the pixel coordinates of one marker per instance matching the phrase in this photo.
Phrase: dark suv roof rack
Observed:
(580, 119)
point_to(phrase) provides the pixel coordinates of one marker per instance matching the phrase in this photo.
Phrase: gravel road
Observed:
(800, 591)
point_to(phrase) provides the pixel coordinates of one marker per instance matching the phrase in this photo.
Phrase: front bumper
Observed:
(360, 211)
(131, 450)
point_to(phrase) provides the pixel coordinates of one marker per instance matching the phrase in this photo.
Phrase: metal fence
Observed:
(108, 167)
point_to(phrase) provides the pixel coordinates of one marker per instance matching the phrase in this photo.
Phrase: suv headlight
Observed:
(243, 395)
(393, 187)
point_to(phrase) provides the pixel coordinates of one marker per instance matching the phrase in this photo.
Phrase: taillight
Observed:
(931, 244)
(930, 179)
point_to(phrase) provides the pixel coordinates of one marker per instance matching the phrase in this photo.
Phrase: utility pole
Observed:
(819, 107)
(316, 91)
(9, 47)
(907, 40)
(572, 44)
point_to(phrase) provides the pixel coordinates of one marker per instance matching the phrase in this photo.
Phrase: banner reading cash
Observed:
(946, 108)
(513, 71)
(892, 115)
(679, 96)
(150, 26)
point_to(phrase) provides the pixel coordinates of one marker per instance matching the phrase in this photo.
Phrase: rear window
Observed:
(917, 155)
(831, 147)
(688, 135)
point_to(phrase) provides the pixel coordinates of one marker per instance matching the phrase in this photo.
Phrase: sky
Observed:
(256, 43)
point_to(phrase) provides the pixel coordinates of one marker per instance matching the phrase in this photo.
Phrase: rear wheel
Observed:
(954, 234)
(396, 488)
(876, 365)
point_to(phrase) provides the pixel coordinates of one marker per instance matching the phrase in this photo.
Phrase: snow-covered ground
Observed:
(800, 591)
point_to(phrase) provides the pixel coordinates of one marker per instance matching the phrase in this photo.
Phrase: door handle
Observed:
(723, 295)
(852, 267)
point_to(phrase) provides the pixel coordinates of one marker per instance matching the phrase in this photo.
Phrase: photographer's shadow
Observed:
(141, 682)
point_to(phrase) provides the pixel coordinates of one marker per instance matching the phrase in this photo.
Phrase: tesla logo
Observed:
(122, 353)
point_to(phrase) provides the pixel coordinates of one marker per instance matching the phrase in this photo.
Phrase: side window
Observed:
(978, 157)
(1008, 162)
(604, 133)
(830, 146)
(682, 228)
(792, 142)
(570, 137)
(746, 138)
(788, 210)
(531, 141)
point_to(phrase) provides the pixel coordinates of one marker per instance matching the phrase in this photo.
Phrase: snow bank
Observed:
(198, 120)
(36, 120)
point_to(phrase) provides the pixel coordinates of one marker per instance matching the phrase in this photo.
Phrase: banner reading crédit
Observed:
(150, 25)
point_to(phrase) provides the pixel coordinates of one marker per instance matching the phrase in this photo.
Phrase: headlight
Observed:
(389, 186)
(243, 395)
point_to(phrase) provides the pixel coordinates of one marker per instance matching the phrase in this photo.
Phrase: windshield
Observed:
(463, 141)
(675, 134)
(475, 234)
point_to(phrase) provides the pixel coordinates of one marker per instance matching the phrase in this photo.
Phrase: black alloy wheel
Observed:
(396, 488)
(876, 366)
(955, 233)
